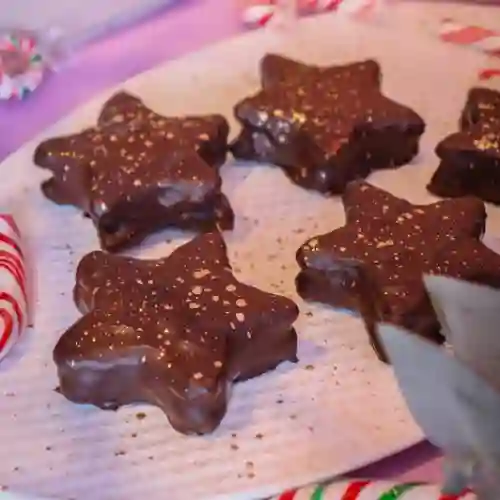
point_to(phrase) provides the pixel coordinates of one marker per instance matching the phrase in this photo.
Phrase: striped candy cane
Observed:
(13, 294)
(372, 490)
(258, 13)
(476, 37)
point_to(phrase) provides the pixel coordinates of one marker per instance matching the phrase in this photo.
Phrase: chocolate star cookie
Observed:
(325, 126)
(470, 159)
(375, 263)
(276, 69)
(174, 332)
(137, 172)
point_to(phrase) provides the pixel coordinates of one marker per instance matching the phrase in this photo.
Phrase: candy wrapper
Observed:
(455, 396)
(25, 57)
(372, 490)
(13, 285)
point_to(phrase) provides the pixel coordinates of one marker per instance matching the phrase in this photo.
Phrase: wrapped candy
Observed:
(455, 397)
(25, 57)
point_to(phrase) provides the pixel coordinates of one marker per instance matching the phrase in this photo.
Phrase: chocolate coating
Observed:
(374, 264)
(275, 69)
(325, 126)
(137, 172)
(470, 158)
(174, 332)
(482, 106)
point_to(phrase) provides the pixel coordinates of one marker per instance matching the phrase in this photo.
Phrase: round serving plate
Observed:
(337, 409)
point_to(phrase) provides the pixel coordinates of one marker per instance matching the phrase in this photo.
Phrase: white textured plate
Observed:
(339, 408)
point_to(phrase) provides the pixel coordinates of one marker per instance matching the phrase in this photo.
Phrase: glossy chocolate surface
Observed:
(470, 158)
(175, 332)
(325, 126)
(137, 172)
(374, 264)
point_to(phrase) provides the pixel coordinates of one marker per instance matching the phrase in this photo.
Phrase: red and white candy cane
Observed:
(372, 490)
(258, 13)
(13, 294)
(475, 37)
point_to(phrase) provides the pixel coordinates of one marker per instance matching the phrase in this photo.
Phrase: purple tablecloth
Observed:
(165, 35)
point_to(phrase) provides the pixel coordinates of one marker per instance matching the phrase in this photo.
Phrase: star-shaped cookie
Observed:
(470, 158)
(375, 263)
(137, 172)
(174, 332)
(276, 69)
(325, 126)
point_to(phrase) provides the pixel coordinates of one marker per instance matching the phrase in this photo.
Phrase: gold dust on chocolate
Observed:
(174, 332)
(470, 158)
(325, 126)
(133, 171)
(276, 69)
(374, 264)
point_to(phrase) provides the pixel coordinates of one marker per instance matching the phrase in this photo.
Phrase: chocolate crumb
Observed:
(140, 416)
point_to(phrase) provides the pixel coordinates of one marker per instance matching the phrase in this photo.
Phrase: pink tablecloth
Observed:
(167, 34)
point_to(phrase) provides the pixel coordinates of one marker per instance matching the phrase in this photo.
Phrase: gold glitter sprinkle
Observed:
(489, 141)
(383, 244)
(201, 273)
(313, 244)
